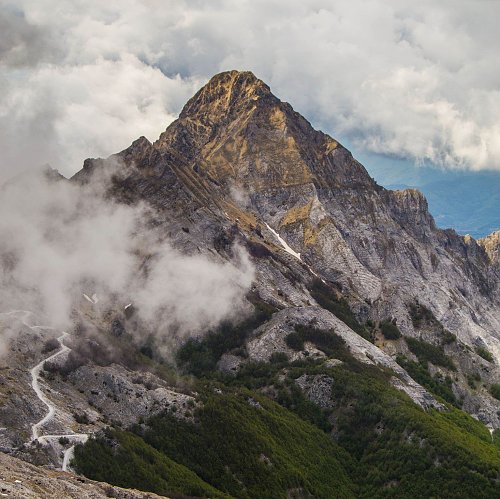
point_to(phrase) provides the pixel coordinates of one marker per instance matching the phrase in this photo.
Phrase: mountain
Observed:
(239, 163)
(368, 338)
(468, 202)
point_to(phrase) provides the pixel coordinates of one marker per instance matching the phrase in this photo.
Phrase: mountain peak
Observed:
(224, 93)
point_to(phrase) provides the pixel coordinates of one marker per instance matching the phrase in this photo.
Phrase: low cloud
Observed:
(413, 80)
(59, 240)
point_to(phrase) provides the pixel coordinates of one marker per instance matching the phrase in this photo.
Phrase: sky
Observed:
(416, 81)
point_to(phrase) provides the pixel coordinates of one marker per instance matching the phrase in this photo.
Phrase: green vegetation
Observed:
(495, 391)
(126, 460)
(81, 418)
(496, 438)
(244, 444)
(278, 358)
(427, 352)
(338, 306)
(422, 317)
(258, 434)
(200, 356)
(484, 353)
(473, 380)
(390, 330)
(403, 451)
(436, 385)
(327, 341)
(295, 341)
(447, 338)
(292, 398)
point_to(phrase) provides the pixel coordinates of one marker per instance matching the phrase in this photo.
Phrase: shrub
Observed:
(421, 315)
(338, 306)
(328, 341)
(295, 341)
(430, 353)
(50, 344)
(390, 330)
(495, 391)
(436, 385)
(473, 380)
(200, 356)
(278, 358)
(238, 449)
(81, 418)
(484, 353)
(447, 337)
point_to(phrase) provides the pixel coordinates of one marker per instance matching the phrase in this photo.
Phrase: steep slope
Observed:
(339, 430)
(491, 245)
(241, 166)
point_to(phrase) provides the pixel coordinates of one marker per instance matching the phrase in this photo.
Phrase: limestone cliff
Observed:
(491, 245)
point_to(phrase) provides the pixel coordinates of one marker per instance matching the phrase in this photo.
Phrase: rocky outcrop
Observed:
(491, 245)
(271, 338)
(86, 398)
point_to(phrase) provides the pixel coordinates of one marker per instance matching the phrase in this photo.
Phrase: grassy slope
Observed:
(125, 459)
(384, 445)
(241, 447)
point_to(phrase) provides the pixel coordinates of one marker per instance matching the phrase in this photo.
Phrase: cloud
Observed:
(59, 240)
(21, 42)
(417, 80)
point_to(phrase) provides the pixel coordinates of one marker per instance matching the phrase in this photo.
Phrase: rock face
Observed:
(85, 398)
(241, 166)
(270, 338)
(491, 245)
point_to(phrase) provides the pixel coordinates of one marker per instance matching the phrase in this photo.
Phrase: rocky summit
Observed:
(373, 331)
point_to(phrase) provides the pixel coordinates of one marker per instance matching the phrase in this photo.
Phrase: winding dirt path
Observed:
(36, 428)
(35, 376)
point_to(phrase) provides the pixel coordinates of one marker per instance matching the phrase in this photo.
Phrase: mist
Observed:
(60, 240)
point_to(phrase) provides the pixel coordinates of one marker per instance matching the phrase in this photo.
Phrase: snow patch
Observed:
(92, 299)
(284, 244)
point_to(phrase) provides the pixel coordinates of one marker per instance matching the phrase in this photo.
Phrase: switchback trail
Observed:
(37, 428)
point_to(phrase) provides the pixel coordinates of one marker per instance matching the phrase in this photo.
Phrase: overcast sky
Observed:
(418, 80)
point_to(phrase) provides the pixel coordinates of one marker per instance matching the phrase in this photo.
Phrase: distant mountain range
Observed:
(467, 201)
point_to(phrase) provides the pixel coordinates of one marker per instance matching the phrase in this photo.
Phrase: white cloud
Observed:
(59, 240)
(413, 79)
